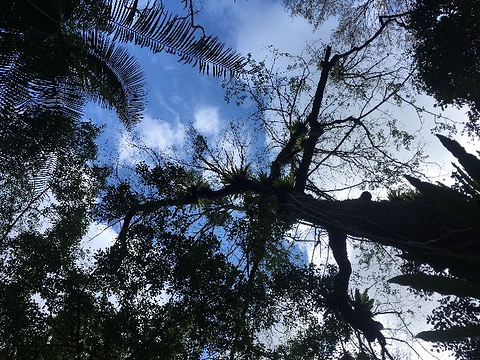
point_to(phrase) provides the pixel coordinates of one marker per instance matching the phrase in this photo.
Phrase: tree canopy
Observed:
(446, 43)
(208, 255)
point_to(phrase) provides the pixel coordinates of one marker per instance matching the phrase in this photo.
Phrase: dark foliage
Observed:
(59, 54)
(447, 51)
(456, 321)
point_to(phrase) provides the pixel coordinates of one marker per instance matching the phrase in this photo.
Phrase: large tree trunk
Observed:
(410, 226)
(422, 230)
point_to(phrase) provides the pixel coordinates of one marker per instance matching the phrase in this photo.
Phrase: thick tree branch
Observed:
(410, 226)
(338, 244)
(384, 23)
(356, 315)
(316, 128)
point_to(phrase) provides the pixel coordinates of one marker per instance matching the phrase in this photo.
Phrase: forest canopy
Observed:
(299, 231)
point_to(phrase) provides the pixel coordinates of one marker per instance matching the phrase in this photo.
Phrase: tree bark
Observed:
(411, 226)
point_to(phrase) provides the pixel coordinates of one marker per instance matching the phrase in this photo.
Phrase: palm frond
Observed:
(16, 70)
(159, 30)
(61, 96)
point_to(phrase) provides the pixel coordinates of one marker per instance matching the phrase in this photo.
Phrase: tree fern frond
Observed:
(40, 180)
(115, 78)
(16, 71)
(56, 55)
(62, 96)
(100, 71)
(159, 30)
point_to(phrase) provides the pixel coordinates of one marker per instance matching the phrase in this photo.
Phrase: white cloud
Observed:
(165, 104)
(269, 24)
(207, 120)
(151, 133)
(258, 25)
(160, 134)
(98, 237)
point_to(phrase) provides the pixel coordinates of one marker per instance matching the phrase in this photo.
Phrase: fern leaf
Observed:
(159, 30)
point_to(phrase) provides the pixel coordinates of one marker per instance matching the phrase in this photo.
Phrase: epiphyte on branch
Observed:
(365, 196)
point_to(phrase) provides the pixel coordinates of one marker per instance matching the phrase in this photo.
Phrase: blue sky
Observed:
(178, 96)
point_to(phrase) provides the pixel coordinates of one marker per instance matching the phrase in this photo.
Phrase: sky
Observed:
(179, 97)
